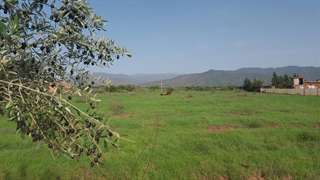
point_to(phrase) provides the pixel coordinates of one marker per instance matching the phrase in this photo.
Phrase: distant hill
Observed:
(236, 77)
(136, 79)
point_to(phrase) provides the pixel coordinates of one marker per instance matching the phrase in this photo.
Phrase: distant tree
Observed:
(256, 85)
(42, 42)
(287, 81)
(281, 82)
(284, 81)
(247, 85)
(253, 86)
(274, 80)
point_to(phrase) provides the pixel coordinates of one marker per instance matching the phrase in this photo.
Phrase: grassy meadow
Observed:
(188, 135)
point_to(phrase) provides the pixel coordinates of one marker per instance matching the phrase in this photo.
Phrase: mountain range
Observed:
(213, 77)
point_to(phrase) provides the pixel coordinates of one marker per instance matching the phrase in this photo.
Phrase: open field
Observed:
(189, 135)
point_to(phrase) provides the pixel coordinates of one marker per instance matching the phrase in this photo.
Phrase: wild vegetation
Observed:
(253, 86)
(277, 81)
(284, 81)
(188, 135)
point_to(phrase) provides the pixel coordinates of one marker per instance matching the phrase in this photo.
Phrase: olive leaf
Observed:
(3, 29)
(14, 24)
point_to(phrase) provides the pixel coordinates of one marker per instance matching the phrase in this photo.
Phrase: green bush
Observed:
(121, 88)
(153, 88)
(252, 86)
(284, 81)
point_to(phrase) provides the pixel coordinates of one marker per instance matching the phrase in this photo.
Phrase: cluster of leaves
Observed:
(252, 86)
(284, 81)
(47, 41)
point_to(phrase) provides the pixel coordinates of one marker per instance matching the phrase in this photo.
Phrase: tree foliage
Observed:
(253, 86)
(43, 42)
(284, 81)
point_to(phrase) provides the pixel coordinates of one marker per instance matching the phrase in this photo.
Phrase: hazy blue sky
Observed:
(183, 36)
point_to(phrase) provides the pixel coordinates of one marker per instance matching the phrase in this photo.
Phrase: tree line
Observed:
(284, 81)
(277, 81)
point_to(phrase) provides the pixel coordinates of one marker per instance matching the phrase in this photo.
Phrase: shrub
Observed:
(153, 88)
(254, 124)
(168, 92)
(121, 88)
(128, 88)
(252, 86)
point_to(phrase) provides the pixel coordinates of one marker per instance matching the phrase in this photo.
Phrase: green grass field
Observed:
(189, 135)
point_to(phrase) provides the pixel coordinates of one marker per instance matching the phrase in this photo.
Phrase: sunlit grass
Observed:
(189, 135)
